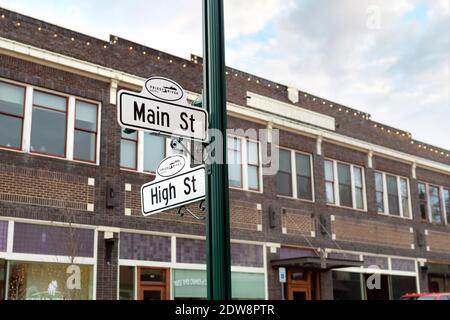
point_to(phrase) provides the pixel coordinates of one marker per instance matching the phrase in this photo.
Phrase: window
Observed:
(329, 181)
(304, 181)
(423, 201)
(447, 204)
(359, 192)
(253, 165)
(154, 151)
(392, 191)
(234, 162)
(294, 178)
(85, 136)
(48, 128)
(392, 195)
(347, 286)
(126, 283)
(12, 101)
(128, 149)
(344, 185)
(40, 125)
(284, 176)
(379, 190)
(244, 164)
(435, 205)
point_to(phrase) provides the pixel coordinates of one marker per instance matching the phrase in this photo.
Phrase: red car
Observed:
(426, 296)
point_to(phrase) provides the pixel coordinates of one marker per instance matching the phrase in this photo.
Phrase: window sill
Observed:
(243, 190)
(151, 174)
(393, 216)
(295, 199)
(347, 208)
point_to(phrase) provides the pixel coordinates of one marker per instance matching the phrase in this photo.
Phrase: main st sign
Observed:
(162, 108)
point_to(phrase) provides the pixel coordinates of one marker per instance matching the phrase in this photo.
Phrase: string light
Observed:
(130, 48)
(3, 16)
(249, 79)
(88, 43)
(18, 24)
(39, 28)
(105, 46)
(170, 61)
(56, 35)
(158, 58)
(184, 65)
(144, 53)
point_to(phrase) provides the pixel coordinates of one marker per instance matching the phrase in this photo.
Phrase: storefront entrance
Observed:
(303, 285)
(153, 284)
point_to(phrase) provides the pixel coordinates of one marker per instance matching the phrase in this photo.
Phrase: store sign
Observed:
(176, 184)
(161, 107)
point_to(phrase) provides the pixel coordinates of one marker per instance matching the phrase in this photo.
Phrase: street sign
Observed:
(162, 108)
(282, 274)
(176, 184)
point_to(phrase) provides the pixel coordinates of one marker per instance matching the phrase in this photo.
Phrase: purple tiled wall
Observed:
(403, 265)
(376, 261)
(3, 235)
(247, 255)
(288, 253)
(191, 251)
(49, 240)
(144, 247)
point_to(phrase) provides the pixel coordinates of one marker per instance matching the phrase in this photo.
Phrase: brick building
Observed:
(352, 196)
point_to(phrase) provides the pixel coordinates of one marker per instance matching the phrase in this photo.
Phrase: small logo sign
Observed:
(164, 89)
(171, 166)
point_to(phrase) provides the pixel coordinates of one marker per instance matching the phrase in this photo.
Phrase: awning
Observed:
(317, 263)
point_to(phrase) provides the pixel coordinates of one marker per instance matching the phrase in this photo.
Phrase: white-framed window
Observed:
(392, 195)
(295, 175)
(142, 151)
(49, 123)
(345, 185)
(244, 164)
(434, 203)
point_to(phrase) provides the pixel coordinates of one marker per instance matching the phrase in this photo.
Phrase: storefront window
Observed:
(45, 281)
(189, 285)
(347, 286)
(126, 283)
(402, 285)
(247, 286)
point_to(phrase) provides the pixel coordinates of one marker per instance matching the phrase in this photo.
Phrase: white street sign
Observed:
(175, 185)
(162, 108)
(282, 274)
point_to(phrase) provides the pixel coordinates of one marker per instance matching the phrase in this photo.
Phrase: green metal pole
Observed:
(217, 195)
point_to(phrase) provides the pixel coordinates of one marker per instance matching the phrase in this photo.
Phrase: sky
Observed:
(388, 58)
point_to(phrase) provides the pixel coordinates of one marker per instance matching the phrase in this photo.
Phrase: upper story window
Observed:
(392, 195)
(12, 105)
(142, 151)
(44, 122)
(434, 203)
(244, 165)
(294, 178)
(344, 185)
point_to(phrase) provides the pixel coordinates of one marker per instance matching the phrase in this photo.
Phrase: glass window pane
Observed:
(126, 283)
(86, 116)
(10, 131)
(405, 197)
(234, 143)
(285, 160)
(344, 174)
(304, 189)
(128, 154)
(11, 99)
(48, 132)
(49, 101)
(435, 204)
(392, 189)
(402, 285)
(253, 177)
(422, 191)
(329, 172)
(303, 164)
(329, 190)
(357, 176)
(378, 182)
(252, 152)
(380, 201)
(347, 286)
(189, 285)
(284, 184)
(235, 175)
(359, 198)
(84, 145)
(247, 286)
(154, 151)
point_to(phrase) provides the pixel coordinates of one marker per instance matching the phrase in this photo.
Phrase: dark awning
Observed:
(316, 263)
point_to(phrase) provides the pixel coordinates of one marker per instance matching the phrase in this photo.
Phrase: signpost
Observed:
(162, 108)
(175, 185)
